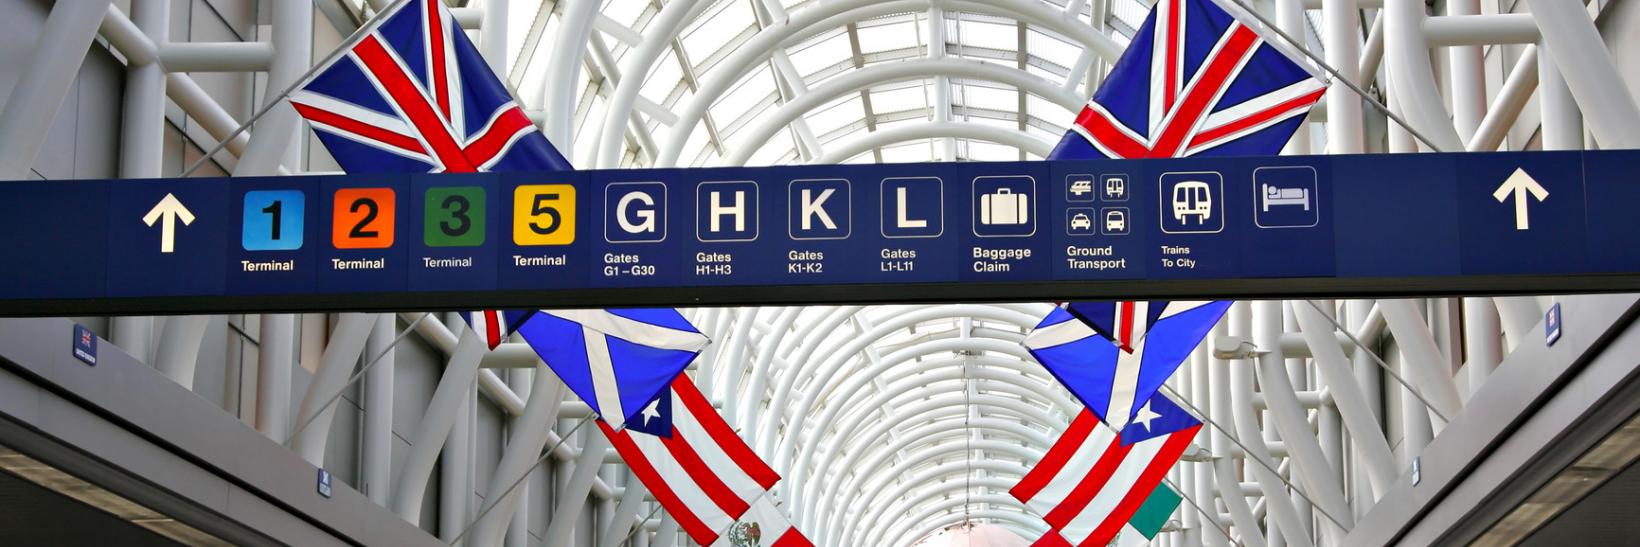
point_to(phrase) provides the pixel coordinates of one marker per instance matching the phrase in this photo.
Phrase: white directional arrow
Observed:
(171, 210)
(1520, 184)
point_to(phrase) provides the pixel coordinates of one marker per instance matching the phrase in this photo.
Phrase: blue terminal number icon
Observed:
(819, 209)
(913, 207)
(635, 212)
(272, 220)
(1192, 202)
(1004, 206)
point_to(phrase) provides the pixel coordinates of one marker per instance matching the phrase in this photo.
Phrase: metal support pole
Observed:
(1341, 20)
(448, 399)
(276, 350)
(1466, 74)
(1277, 387)
(528, 437)
(1506, 106)
(335, 365)
(142, 125)
(1520, 316)
(567, 50)
(1353, 406)
(492, 40)
(1431, 369)
(135, 335)
(44, 83)
(377, 452)
(455, 471)
(1562, 121)
(1290, 19)
(276, 139)
(1590, 73)
(178, 351)
(1413, 78)
(1224, 472)
(624, 518)
(573, 497)
(1280, 507)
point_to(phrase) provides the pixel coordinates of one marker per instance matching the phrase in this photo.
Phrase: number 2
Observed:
(369, 217)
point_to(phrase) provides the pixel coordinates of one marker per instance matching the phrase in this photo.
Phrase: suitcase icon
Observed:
(1004, 208)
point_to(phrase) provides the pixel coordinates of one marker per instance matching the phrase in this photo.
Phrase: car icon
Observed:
(1081, 187)
(1115, 221)
(1080, 221)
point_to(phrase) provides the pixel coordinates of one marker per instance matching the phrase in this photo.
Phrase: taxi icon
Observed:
(1080, 221)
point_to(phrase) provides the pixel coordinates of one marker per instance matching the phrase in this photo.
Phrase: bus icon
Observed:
(1192, 203)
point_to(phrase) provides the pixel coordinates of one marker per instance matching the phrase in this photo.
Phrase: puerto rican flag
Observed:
(1114, 356)
(1090, 483)
(412, 95)
(1195, 82)
(697, 468)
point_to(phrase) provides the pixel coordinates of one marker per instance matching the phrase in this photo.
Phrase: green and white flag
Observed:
(1154, 512)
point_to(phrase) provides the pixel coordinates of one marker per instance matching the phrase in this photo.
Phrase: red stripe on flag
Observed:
(1257, 118)
(1090, 486)
(492, 328)
(792, 538)
(350, 125)
(435, 51)
(1148, 481)
(1051, 538)
(1125, 338)
(719, 430)
(506, 126)
(1215, 76)
(403, 92)
(645, 471)
(1104, 130)
(702, 474)
(1058, 455)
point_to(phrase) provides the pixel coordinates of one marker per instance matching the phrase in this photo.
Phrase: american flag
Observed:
(412, 95)
(699, 470)
(1195, 81)
(1090, 483)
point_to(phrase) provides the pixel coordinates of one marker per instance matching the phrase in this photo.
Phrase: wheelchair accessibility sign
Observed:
(1005, 206)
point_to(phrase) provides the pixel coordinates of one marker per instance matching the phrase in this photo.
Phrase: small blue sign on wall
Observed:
(324, 483)
(1551, 324)
(85, 345)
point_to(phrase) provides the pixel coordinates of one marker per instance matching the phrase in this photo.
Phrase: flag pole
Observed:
(1210, 517)
(1337, 76)
(1231, 435)
(352, 40)
(1381, 364)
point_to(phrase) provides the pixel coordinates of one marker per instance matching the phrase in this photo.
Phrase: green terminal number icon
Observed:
(454, 216)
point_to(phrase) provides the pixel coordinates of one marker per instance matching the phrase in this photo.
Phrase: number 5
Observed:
(544, 214)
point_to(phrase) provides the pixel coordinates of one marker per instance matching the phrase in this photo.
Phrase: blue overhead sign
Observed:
(1222, 227)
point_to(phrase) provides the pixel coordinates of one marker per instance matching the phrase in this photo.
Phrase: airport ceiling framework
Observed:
(890, 423)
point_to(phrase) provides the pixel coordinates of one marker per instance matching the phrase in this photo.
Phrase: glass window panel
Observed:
(897, 33)
(986, 34)
(910, 152)
(750, 91)
(775, 150)
(1048, 110)
(814, 56)
(828, 119)
(987, 151)
(896, 100)
(716, 27)
(1061, 52)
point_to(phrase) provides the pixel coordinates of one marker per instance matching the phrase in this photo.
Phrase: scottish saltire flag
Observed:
(1194, 82)
(1090, 483)
(1113, 382)
(495, 325)
(764, 525)
(700, 471)
(412, 95)
(618, 361)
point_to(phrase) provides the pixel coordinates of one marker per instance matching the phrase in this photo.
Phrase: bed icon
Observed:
(1275, 196)
(1286, 197)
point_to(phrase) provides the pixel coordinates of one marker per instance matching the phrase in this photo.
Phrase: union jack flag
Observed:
(1195, 82)
(412, 95)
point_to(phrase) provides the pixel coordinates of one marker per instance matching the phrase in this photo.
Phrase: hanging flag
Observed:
(1090, 483)
(618, 361)
(1115, 383)
(1154, 512)
(701, 472)
(1195, 82)
(764, 525)
(412, 95)
(496, 325)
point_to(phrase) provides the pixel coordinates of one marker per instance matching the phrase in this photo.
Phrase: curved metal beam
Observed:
(879, 139)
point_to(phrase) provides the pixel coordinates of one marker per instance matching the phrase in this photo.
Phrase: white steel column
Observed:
(276, 348)
(1290, 19)
(377, 453)
(276, 138)
(1467, 76)
(660, 32)
(1413, 79)
(1590, 73)
(492, 39)
(335, 365)
(44, 83)
(575, 27)
(528, 435)
(1562, 121)
(1201, 490)
(1355, 409)
(455, 471)
(1307, 462)
(573, 497)
(448, 399)
(942, 84)
(178, 351)
(1432, 372)
(142, 126)
(1224, 452)
(1341, 23)
(1482, 340)
(1278, 506)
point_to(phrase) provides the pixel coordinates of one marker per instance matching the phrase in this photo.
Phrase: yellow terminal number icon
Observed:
(543, 214)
